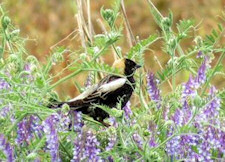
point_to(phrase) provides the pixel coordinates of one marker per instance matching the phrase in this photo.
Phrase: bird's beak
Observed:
(138, 66)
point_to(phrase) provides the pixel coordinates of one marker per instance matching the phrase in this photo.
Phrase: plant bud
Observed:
(13, 58)
(32, 59)
(166, 23)
(117, 113)
(5, 22)
(108, 15)
(172, 43)
(57, 57)
(197, 101)
(14, 33)
(32, 155)
(65, 109)
(146, 132)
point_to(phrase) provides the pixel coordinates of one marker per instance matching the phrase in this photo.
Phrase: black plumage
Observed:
(109, 91)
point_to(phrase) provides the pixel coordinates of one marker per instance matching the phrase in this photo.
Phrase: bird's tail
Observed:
(75, 105)
(55, 105)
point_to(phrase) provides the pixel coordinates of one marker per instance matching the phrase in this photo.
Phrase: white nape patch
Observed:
(112, 86)
(85, 94)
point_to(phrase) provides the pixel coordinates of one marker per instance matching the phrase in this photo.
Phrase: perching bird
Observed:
(110, 91)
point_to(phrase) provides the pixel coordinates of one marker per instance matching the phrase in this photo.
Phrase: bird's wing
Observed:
(105, 86)
(108, 84)
(112, 85)
(85, 94)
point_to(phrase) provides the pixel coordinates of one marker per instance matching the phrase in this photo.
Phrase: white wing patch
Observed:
(112, 86)
(85, 94)
(105, 88)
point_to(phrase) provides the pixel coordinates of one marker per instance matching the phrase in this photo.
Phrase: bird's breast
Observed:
(121, 95)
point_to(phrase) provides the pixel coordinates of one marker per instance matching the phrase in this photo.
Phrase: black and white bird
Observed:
(110, 91)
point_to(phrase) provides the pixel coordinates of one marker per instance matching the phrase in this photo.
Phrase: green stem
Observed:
(64, 79)
(173, 72)
(121, 137)
(48, 67)
(180, 50)
(8, 43)
(70, 156)
(3, 47)
(100, 52)
(39, 144)
(1, 9)
(212, 73)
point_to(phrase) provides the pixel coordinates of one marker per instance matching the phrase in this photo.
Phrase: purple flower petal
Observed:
(6, 148)
(138, 140)
(153, 90)
(127, 110)
(52, 138)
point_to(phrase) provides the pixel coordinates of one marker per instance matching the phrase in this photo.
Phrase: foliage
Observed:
(186, 124)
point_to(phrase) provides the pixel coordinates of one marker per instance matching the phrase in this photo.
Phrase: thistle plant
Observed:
(185, 123)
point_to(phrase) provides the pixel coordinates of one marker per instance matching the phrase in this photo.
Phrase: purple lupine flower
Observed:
(189, 89)
(178, 118)
(186, 143)
(28, 77)
(138, 140)
(78, 122)
(211, 110)
(6, 148)
(153, 128)
(91, 148)
(7, 112)
(199, 55)
(51, 138)
(23, 135)
(27, 128)
(3, 84)
(210, 136)
(173, 147)
(222, 142)
(187, 112)
(165, 113)
(27, 67)
(152, 142)
(209, 140)
(78, 149)
(201, 77)
(63, 123)
(127, 110)
(112, 121)
(112, 142)
(4, 112)
(213, 135)
(204, 151)
(153, 90)
(36, 126)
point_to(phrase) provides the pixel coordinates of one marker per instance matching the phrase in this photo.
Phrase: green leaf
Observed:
(156, 14)
(136, 52)
(184, 26)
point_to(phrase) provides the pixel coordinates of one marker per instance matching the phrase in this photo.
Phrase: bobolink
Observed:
(110, 91)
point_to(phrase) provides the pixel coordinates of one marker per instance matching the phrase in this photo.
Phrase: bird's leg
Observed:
(100, 120)
(105, 124)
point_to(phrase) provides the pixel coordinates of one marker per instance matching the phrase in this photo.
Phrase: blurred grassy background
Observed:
(46, 23)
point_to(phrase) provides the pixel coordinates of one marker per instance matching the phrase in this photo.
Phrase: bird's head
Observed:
(127, 66)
